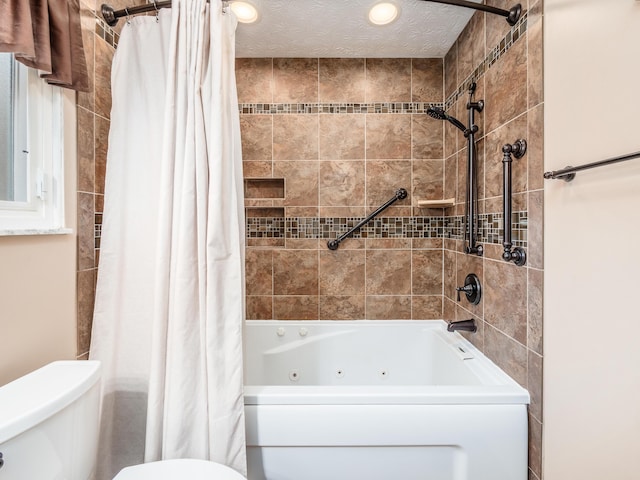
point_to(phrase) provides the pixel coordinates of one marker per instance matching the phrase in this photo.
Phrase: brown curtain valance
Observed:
(46, 34)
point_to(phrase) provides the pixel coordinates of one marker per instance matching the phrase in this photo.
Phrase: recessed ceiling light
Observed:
(383, 13)
(245, 12)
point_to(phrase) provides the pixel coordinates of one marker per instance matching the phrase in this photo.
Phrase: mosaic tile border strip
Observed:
(97, 229)
(490, 227)
(107, 33)
(335, 108)
(517, 31)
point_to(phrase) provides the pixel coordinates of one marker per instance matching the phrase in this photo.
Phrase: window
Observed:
(31, 151)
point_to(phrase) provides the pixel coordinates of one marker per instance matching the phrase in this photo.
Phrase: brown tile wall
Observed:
(339, 165)
(343, 165)
(93, 110)
(510, 314)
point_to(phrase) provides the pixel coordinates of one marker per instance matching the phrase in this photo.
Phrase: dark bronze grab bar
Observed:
(400, 194)
(516, 255)
(569, 173)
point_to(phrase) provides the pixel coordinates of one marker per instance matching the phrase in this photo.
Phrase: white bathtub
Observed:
(381, 400)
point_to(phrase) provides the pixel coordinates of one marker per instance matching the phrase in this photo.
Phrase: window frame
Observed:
(40, 122)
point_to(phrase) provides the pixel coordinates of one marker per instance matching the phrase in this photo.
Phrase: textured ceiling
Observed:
(340, 28)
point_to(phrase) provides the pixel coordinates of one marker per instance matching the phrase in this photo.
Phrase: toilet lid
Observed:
(178, 470)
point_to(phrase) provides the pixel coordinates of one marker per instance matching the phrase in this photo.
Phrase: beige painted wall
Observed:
(37, 285)
(592, 259)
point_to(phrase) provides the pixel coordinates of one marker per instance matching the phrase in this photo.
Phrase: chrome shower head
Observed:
(440, 114)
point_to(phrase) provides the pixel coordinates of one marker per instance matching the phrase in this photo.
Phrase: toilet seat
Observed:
(179, 469)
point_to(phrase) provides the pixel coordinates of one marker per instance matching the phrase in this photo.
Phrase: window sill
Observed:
(36, 231)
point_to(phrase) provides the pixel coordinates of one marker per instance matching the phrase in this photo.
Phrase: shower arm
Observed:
(516, 255)
(512, 15)
(400, 194)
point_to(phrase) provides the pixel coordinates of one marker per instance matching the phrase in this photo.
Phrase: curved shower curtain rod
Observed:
(512, 15)
(111, 16)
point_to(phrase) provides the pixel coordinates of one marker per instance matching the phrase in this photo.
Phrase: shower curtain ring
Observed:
(225, 6)
(126, 10)
(155, 5)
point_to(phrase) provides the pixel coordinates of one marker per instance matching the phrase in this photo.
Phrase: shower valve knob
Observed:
(467, 289)
(471, 289)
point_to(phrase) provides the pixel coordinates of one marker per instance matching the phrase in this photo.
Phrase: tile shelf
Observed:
(444, 203)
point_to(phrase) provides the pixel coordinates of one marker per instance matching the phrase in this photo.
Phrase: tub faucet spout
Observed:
(463, 325)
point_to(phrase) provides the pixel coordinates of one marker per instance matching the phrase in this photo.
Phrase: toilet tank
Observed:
(49, 422)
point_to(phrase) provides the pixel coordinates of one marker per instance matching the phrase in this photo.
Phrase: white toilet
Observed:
(179, 469)
(49, 430)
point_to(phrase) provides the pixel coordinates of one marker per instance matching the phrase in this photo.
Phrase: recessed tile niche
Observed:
(265, 212)
(264, 188)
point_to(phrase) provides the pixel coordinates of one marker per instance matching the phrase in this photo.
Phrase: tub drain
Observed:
(294, 376)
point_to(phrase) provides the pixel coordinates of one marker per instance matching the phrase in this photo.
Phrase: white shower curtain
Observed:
(170, 294)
